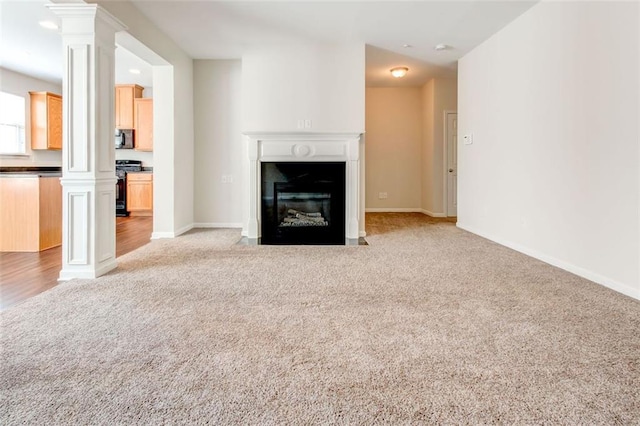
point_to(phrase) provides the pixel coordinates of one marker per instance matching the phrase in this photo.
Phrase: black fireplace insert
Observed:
(303, 203)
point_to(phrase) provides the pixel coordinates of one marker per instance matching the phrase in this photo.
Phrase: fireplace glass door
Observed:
(303, 203)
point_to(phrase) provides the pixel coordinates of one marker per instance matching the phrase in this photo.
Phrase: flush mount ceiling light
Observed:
(134, 71)
(398, 72)
(48, 25)
(441, 46)
(407, 46)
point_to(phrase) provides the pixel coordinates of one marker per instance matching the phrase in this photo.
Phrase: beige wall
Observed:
(322, 83)
(553, 170)
(219, 147)
(393, 123)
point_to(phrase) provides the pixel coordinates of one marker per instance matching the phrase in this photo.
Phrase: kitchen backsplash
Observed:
(132, 154)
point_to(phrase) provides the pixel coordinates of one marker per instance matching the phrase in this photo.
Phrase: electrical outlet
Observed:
(225, 179)
(229, 178)
(307, 124)
(382, 195)
(300, 124)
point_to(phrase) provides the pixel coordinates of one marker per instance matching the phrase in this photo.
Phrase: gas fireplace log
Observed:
(303, 219)
(304, 223)
(298, 212)
(310, 219)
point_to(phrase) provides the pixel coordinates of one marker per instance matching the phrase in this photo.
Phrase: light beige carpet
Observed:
(427, 324)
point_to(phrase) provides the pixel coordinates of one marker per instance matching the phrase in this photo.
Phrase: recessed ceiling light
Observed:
(441, 46)
(134, 71)
(48, 25)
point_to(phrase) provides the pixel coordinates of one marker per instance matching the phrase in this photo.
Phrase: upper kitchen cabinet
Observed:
(46, 120)
(125, 96)
(143, 125)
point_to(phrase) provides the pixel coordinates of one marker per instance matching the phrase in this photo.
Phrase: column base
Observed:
(82, 272)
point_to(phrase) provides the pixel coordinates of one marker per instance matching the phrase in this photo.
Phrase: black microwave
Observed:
(124, 139)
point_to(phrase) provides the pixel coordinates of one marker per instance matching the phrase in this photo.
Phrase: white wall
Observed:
(393, 148)
(20, 84)
(552, 103)
(173, 120)
(218, 143)
(317, 82)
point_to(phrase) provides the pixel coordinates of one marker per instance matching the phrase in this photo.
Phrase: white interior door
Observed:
(452, 164)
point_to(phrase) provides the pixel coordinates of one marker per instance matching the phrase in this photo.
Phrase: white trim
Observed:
(301, 147)
(218, 225)
(577, 270)
(402, 210)
(160, 235)
(362, 234)
(393, 210)
(72, 273)
(445, 166)
(432, 214)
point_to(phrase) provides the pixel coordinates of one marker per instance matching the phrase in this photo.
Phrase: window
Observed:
(12, 119)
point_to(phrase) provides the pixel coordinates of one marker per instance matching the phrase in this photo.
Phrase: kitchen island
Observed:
(30, 210)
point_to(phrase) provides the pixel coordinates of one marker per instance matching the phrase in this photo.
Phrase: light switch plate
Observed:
(468, 139)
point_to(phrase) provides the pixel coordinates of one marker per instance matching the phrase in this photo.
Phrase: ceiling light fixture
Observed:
(406, 46)
(398, 72)
(48, 25)
(441, 46)
(134, 71)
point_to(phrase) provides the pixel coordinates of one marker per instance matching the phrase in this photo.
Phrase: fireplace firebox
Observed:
(303, 203)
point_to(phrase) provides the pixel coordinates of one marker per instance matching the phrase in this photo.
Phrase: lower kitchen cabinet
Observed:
(140, 193)
(31, 213)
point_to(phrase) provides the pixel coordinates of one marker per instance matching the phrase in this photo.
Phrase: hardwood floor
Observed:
(24, 275)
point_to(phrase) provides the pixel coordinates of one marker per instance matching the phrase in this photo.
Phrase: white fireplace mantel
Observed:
(301, 147)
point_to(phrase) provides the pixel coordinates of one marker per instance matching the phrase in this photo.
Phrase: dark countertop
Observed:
(13, 169)
(30, 174)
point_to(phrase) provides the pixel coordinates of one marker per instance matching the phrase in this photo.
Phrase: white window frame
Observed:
(13, 121)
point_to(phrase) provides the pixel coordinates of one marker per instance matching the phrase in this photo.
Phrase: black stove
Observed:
(122, 167)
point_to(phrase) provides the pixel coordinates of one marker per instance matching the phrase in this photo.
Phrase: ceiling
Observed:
(226, 29)
(30, 49)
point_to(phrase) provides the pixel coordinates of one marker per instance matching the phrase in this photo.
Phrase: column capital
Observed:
(77, 12)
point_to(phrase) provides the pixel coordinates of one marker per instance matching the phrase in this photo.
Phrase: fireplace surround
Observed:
(304, 151)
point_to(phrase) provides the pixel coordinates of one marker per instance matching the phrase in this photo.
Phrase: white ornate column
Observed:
(253, 225)
(88, 155)
(353, 189)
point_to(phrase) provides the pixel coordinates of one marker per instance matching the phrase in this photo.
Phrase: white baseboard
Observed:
(428, 213)
(217, 225)
(392, 210)
(403, 210)
(577, 270)
(160, 235)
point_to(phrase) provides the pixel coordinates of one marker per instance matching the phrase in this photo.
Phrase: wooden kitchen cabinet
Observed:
(140, 193)
(31, 213)
(125, 96)
(46, 120)
(143, 125)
